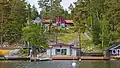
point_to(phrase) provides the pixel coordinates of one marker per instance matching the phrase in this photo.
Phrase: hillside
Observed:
(86, 42)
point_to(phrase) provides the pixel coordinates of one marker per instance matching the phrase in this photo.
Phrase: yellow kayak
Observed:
(3, 52)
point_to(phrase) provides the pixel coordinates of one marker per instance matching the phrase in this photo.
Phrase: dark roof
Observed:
(113, 45)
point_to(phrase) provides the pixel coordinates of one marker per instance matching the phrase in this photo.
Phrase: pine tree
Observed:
(16, 20)
(34, 12)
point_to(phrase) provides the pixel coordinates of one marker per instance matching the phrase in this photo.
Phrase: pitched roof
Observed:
(46, 20)
(67, 21)
(75, 47)
(60, 44)
(113, 45)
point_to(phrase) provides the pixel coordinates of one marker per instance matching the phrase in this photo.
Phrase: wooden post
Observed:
(79, 36)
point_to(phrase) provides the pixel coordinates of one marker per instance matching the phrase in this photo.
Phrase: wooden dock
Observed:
(94, 58)
(14, 58)
(115, 57)
(77, 58)
(58, 58)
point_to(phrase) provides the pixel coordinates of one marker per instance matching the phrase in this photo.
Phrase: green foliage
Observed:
(35, 35)
(24, 52)
(95, 12)
(34, 13)
(51, 9)
(113, 13)
(105, 20)
(15, 16)
(80, 14)
(105, 34)
(101, 18)
(15, 21)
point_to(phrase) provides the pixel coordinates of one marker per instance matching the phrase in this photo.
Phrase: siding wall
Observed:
(114, 51)
(74, 52)
(69, 51)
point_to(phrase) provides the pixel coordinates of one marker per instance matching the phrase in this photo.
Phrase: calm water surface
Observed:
(59, 64)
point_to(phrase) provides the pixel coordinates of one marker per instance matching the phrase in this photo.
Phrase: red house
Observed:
(68, 23)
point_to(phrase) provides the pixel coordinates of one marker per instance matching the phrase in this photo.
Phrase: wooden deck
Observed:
(58, 58)
(64, 57)
(94, 58)
(14, 58)
(77, 58)
(115, 57)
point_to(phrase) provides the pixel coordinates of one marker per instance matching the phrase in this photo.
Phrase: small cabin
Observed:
(60, 49)
(113, 50)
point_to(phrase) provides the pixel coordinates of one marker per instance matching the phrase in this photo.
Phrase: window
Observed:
(61, 51)
(57, 51)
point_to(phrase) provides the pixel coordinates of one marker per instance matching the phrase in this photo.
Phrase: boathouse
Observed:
(113, 50)
(61, 49)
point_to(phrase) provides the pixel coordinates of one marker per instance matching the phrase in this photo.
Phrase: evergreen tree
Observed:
(4, 12)
(34, 12)
(16, 20)
(79, 17)
(113, 17)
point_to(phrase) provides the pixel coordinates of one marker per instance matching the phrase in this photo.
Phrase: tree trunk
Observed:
(34, 53)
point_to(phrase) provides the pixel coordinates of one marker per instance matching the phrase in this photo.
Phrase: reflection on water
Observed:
(99, 64)
(41, 64)
(59, 64)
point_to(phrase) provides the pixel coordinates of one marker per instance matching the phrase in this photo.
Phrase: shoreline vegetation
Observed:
(95, 24)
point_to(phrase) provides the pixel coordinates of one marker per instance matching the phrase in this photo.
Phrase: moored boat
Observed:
(44, 59)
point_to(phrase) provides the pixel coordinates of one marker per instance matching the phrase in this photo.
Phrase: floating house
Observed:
(61, 49)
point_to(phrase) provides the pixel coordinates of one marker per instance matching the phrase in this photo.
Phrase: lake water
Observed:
(59, 64)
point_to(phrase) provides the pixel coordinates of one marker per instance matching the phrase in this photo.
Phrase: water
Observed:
(59, 64)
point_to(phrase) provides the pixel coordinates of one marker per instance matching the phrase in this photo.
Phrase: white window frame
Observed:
(60, 51)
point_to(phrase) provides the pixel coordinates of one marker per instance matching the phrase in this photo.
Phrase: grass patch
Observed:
(68, 37)
(86, 44)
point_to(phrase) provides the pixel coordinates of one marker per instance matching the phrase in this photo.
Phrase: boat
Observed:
(44, 59)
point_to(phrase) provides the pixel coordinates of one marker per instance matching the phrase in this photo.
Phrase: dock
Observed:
(94, 58)
(115, 57)
(57, 58)
(14, 58)
(77, 58)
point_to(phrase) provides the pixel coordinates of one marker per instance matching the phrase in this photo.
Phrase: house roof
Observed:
(60, 44)
(67, 21)
(113, 45)
(75, 47)
(46, 20)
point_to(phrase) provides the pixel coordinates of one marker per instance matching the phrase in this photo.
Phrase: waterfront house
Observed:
(113, 50)
(61, 49)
